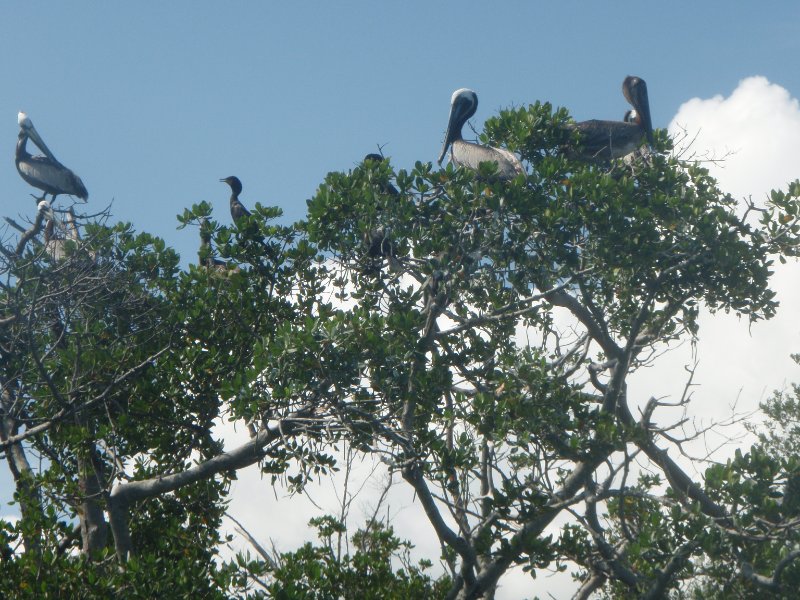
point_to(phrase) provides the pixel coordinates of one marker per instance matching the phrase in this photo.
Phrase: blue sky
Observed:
(152, 103)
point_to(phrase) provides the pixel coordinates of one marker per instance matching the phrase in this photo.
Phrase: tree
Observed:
(115, 365)
(445, 353)
(498, 437)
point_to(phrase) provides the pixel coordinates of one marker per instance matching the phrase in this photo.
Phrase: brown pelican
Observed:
(612, 139)
(237, 208)
(44, 172)
(463, 105)
(55, 242)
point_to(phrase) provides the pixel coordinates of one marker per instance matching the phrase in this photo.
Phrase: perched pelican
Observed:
(237, 208)
(44, 172)
(54, 244)
(614, 139)
(463, 105)
(55, 241)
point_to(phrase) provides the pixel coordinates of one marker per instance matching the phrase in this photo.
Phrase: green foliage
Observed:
(321, 571)
(417, 314)
(637, 244)
(173, 570)
(132, 360)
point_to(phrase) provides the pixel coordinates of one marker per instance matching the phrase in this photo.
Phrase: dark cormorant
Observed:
(237, 208)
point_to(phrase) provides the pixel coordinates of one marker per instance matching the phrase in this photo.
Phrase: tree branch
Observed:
(125, 494)
(665, 577)
(72, 409)
(770, 583)
(564, 300)
(609, 554)
(413, 475)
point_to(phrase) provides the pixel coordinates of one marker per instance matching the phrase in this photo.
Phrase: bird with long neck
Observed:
(54, 240)
(44, 172)
(238, 209)
(604, 140)
(463, 105)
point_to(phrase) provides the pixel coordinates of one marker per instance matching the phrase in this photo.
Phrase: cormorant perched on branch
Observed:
(237, 208)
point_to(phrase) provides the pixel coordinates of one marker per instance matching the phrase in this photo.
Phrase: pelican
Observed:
(44, 172)
(463, 105)
(613, 139)
(55, 243)
(237, 208)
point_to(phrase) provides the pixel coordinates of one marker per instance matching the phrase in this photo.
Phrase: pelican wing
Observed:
(608, 139)
(469, 155)
(51, 177)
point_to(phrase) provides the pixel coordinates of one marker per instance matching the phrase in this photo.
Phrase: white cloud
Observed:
(760, 123)
(270, 514)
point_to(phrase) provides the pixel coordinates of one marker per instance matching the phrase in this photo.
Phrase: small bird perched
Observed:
(378, 240)
(206, 252)
(44, 172)
(463, 105)
(237, 208)
(386, 188)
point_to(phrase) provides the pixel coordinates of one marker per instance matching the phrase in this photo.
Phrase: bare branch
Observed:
(253, 542)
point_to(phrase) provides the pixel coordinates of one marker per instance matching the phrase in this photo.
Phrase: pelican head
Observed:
(233, 181)
(635, 91)
(26, 129)
(45, 209)
(463, 105)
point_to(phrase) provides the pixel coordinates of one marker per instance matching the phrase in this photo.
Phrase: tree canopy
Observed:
(475, 334)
